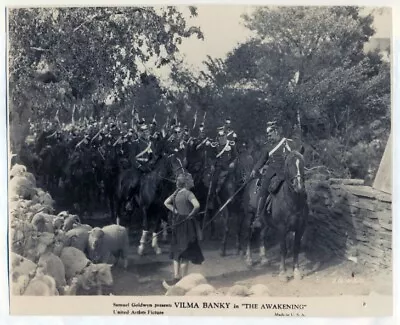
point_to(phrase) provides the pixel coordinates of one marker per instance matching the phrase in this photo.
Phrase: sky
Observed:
(223, 30)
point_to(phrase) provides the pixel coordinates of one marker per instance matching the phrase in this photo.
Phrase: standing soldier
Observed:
(226, 155)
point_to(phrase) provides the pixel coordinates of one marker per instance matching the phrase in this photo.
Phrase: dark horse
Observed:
(288, 212)
(147, 191)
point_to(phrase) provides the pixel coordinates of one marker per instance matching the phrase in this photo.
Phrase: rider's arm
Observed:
(261, 162)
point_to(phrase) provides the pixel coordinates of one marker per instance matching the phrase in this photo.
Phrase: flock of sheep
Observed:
(56, 254)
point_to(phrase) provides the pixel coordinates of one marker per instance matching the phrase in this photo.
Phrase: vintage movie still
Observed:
(217, 160)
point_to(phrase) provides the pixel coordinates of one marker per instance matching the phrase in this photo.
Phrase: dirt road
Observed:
(322, 277)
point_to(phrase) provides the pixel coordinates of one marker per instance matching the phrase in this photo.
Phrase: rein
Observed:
(226, 203)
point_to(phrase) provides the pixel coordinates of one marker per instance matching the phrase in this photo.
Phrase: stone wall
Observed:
(350, 220)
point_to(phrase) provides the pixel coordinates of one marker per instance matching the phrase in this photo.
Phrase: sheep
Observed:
(41, 285)
(258, 290)
(53, 266)
(88, 275)
(17, 170)
(19, 283)
(43, 222)
(22, 186)
(110, 240)
(70, 221)
(38, 245)
(204, 289)
(58, 223)
(238, 290)
(187, 283)
(20, 264)
(78, 238)
(82, 226)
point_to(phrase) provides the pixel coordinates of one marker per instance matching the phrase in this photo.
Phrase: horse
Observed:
(154, 188)
(199, 166)
(288, 213)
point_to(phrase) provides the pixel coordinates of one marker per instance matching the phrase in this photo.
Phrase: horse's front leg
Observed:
(248, 233)
(145, 230)
(283, 251)
(239, 236)
(296, 250)
(263, 255)
(154, 241)
(225, 233)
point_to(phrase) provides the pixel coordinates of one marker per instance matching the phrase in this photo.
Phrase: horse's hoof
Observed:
(264, 261)
(283, 277)
(297, 275)
(222, 253)
(249, 262)
(239, 252)
(140, 250)
(158, 251)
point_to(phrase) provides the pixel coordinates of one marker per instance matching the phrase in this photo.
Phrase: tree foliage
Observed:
(61, 58)
(339, 88)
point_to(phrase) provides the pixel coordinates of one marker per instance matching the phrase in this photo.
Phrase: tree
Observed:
(61, 57)
(304, 40)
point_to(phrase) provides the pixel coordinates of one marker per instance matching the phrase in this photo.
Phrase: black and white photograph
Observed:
(210, 150)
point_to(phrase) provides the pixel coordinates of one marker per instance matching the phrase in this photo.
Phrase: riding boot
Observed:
(257, 220)
(267, 206)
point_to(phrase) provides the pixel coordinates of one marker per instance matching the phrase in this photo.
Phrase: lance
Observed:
(56, 117)
(116, 142)
(97, 134)
(80, 142)
(195, 120)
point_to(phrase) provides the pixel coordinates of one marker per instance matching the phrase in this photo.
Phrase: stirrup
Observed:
(256, 223)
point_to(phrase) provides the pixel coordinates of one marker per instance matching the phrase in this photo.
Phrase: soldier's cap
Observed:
(112, 125)
(186, 128)
(143, 127)
(177, 128)
(271, 123)
(228, 121)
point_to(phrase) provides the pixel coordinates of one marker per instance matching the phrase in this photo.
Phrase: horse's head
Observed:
(177, 165)
(294, 170)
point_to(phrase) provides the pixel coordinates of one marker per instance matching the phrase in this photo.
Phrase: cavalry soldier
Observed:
(226, 155)
(177, 146)
(272, 166)
(144, 149)
(230, 134)
(153, 128)
(201, 139)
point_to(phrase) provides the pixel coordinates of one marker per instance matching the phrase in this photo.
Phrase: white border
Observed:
(4, 308)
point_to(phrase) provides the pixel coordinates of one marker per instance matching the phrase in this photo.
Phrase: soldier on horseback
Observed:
(269, 169)
(144, 148)
(226, 154)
